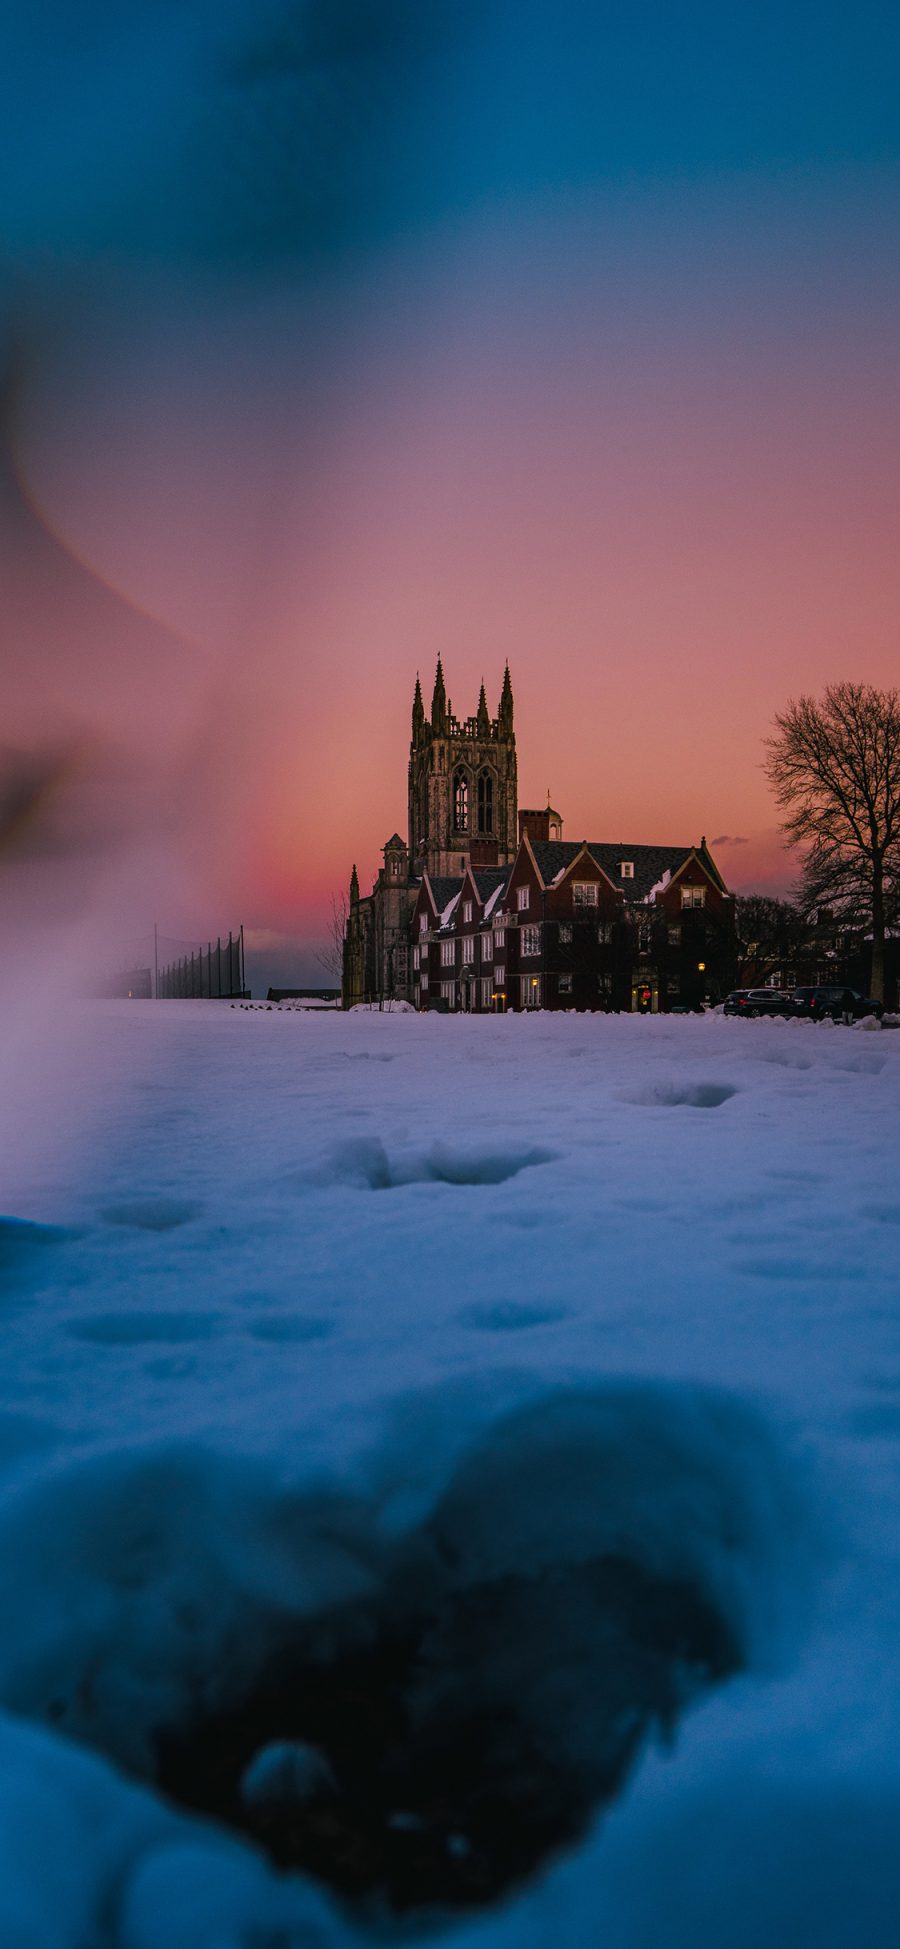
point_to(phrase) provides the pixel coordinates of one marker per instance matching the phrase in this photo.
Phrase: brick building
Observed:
(490, 909)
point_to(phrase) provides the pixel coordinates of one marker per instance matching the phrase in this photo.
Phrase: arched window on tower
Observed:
(460, 801)
(485, 801)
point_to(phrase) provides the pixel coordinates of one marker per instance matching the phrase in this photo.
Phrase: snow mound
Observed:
(465, 1674)
(365, 1162)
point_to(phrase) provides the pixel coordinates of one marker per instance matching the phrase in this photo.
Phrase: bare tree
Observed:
(330, 955)
(771, 935)
(834, 767)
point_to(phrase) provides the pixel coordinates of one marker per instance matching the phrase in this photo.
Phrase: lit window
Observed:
(530, 940)
(693, 897)
(585, 893)
(448, 954)
(565, 934)
(564, 984)
(522, 900)
(531, 991)
(467, 910)
(468, 948)
(626, 869)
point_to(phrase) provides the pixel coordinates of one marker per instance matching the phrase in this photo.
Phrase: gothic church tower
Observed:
(463, 793)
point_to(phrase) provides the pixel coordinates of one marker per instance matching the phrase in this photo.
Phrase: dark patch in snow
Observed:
(22, 1244)
(366, 1163)
(142, 1327)
(288, 1327)
(443, 1781)
(882, 1214)
(508, 1316)
(697, 1096)
(151, 1214)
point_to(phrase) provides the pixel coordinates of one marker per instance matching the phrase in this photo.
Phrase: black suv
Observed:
(758, 1001)
(836, 1004)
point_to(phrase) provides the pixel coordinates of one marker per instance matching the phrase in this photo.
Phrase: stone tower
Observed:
(462, 784)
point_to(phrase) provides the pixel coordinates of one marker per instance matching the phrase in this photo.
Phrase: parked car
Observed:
(758, 1001)
(836, 1003)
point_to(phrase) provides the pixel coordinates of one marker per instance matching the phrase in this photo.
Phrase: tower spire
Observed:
(439, 702)
(484, 722)
(418, 712)
(506, 705)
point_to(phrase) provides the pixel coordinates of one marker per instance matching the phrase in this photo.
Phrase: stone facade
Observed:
(463, 809)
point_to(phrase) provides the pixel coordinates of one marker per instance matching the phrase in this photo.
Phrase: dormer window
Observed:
(522, 900)
(626, 869)
(585, 893)
(467, 910)
(693, 897)
(423, 923)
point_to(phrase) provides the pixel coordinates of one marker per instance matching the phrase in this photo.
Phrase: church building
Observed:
(487, 908)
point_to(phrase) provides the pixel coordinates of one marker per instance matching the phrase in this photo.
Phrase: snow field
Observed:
(306, 1314)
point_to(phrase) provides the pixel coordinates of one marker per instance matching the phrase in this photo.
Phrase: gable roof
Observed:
(553, 856)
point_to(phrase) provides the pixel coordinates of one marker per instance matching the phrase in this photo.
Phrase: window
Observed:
(604, 984)
(423, 979)
(499, 977)
(565, 935)
(626, 869)
(401, 964)
(645, 936)
(417, 957)
(674, 987)
(467, 911)
(468, 949)
(485, 993)
(585, 893)
(460, 802)
(604, 933)
(485, 802)
(499, 939)
(522, 900)
(564, 984)
(448, 954)
(531, 940)
(674, 936)
(423, 923)
(693, 897)
(531, 991)
(448, 992)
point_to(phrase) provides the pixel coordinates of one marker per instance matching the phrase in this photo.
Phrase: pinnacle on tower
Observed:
(354, 888)
(418, 712)
(439, 701)
(484, 722)
(505, 714)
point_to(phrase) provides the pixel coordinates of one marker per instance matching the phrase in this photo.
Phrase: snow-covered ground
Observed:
(306, 1315)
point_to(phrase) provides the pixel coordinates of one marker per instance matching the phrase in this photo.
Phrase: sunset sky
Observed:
(344, 335)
